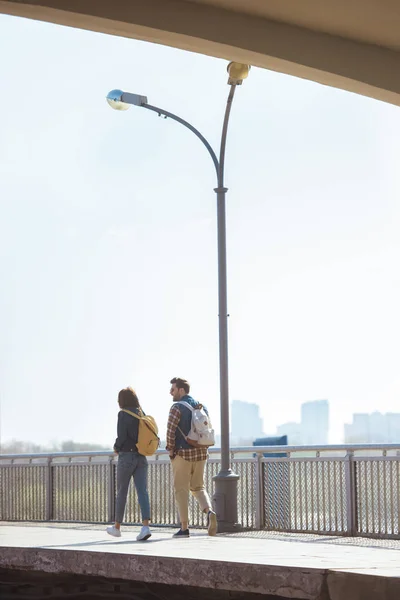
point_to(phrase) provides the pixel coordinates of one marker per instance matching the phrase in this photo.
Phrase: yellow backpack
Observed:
(148, 440)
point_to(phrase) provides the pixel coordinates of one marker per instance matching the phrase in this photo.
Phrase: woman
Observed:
(130, 464)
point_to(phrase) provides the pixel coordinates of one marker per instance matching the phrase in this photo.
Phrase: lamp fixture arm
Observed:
(201, 137)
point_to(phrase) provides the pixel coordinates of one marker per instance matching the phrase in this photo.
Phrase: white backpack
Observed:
(201, 433)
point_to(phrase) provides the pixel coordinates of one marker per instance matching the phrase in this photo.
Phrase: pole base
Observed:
(225, 501)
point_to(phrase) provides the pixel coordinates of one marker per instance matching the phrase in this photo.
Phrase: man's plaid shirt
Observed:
(190, 454)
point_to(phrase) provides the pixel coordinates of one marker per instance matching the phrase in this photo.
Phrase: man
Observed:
(188, 462)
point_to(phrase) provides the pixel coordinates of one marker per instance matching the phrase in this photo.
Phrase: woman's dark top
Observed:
(127, 431)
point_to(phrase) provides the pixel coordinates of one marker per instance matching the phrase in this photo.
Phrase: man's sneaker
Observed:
(182, 534)
(212, 523)
(113, 531)
(144, 534)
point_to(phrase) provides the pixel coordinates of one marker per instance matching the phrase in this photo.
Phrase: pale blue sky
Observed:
(108, 238)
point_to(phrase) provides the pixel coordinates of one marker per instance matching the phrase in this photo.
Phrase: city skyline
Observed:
(373, 428)
(313, 427)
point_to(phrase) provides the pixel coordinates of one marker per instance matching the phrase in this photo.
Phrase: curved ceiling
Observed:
(349, 44)
(368, 21)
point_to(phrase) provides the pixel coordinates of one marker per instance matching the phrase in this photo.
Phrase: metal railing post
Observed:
(259, 492)
(49, 490)
(351, 494)
(111, 490)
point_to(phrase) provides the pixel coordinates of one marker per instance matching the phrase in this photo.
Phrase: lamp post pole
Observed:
(225, 496)
(226, 482)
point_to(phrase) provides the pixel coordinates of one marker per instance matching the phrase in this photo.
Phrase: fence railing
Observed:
(342, 490)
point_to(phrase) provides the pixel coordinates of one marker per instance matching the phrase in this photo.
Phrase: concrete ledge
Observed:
(19, 585)
(272, 581)
(284, 582)
(361, 586)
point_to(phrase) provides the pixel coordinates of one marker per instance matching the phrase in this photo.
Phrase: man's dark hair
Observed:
(127, 398)
(181, 383)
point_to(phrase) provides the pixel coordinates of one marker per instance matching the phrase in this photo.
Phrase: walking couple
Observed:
(188, 461)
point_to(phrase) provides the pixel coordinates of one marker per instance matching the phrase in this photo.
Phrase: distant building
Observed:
(313, 428)
(374, 428)
(315, 422)
(393, 427)
(358, 431)
(293, 432)
(246, 423)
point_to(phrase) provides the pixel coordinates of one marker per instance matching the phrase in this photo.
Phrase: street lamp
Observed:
(225, 496)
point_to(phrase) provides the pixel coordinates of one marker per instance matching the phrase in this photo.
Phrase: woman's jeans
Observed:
(132, 464)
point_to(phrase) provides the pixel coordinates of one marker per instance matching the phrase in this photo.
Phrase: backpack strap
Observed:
(185, 436)
(185, 404)
(190, 407)
(131, 413)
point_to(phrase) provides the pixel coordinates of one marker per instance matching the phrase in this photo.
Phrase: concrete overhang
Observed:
(349, 44)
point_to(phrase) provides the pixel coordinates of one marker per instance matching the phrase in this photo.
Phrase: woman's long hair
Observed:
(127, 398)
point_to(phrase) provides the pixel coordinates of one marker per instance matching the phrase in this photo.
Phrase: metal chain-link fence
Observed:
(304, 495)
(338, 490)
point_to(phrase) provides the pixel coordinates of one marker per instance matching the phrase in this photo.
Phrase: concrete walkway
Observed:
(293, 567)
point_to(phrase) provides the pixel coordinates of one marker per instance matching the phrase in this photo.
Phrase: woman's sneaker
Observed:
(182, 533)
(144, 534)
(212, 523)
(113, 531)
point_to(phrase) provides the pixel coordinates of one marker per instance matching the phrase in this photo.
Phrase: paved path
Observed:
(314, 568)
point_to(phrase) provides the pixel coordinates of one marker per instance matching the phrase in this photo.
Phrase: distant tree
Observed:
(22, 447)
(71, 446)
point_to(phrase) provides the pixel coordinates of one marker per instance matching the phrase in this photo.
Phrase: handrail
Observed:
(258, 450)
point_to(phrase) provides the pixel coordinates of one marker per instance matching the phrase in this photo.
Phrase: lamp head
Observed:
(114, 99)
(237, 72)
